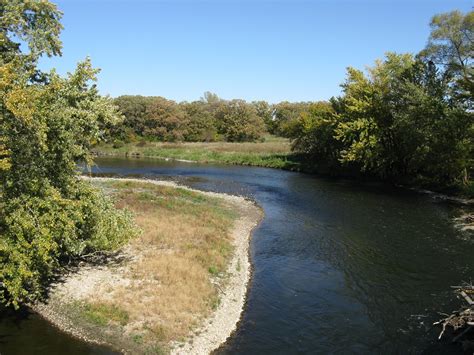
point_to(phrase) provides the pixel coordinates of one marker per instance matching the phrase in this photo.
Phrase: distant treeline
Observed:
(207, 120)
(407, 118)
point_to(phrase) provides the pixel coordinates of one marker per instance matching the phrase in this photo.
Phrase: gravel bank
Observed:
(88, 281)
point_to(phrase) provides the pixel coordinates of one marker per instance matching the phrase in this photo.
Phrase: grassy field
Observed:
(172, 281)
(273, 152)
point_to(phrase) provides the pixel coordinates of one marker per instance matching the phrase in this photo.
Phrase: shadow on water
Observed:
(23, 332)
(339, 267)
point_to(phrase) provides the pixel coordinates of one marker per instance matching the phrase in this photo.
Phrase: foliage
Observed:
(313, 134)
(159, 119)
(408, 119)
(41, 233)
(450, 46)
(201, 125)
(47, 125)
(165, 120)
(134, 110)
(285, 116)
(239, 122)
(265, 112)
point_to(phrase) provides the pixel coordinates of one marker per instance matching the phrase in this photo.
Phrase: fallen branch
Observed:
(462, 319)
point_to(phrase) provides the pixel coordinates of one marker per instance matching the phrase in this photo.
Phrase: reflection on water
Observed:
(338, 266)
(23, 332)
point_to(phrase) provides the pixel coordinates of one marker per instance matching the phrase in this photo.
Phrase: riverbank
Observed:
(180, 287)
(272, 153)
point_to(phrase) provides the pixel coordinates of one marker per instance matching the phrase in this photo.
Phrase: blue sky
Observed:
(269, 50)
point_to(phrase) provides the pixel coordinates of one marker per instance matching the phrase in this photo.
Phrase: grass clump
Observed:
(102, 313)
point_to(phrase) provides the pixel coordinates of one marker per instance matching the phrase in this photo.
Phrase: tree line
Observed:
(209, 119)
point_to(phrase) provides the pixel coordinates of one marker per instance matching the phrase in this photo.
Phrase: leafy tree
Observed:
(201, 123)
(239, 122)
(399, 121)
(313, 135)
(134, 110)
(265, 112)
(210, 98)
(285, 114)
(451, 46)
(401, 124)
(165, 120)
(47, 125)
(370, 106)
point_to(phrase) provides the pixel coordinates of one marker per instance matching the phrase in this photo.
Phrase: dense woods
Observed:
(207, 120)
(210, 119)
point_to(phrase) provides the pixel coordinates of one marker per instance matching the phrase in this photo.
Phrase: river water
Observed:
(338, 266)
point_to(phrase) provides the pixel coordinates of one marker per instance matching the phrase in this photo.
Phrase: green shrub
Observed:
(40, 234)
(47, 125)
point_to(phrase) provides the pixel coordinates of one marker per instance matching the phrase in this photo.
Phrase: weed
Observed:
(102, 313)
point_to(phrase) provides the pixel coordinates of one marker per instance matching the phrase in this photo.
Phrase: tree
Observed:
(451, 46)
(284, 116)
(265, 112)
(134, 109)
(314, 135)
(239, 122)
(165, 120)
(401, 123)
(210, 98)
(47, 125)
(398, 121)
(201, 123)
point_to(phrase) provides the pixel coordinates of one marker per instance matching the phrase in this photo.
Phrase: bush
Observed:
(40, 234)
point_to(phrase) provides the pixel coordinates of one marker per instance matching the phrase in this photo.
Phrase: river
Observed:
(338, 266)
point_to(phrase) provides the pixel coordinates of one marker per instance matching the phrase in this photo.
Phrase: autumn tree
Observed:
(238, 121)
(313, 134)
(284, 117)
(201, 122)
(165, 120)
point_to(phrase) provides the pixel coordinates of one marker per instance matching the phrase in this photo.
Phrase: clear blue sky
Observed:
(270, 50)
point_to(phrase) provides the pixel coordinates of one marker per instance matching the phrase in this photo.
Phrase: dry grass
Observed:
(281, 146)
(274, 152)
(183, 253)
